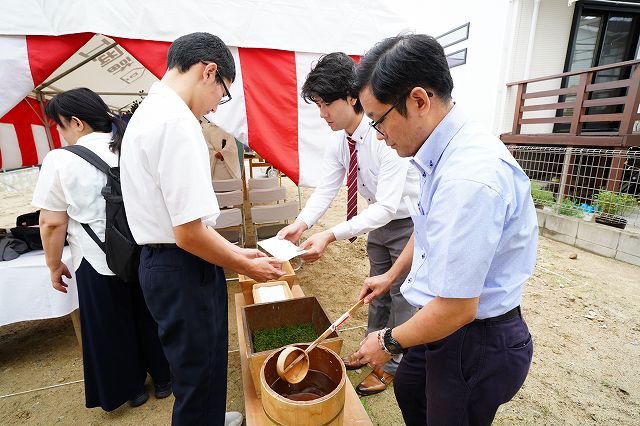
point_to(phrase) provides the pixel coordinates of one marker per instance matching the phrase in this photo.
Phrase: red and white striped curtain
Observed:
(266, 112)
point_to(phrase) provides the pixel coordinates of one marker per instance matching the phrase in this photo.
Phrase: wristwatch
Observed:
(391, 344)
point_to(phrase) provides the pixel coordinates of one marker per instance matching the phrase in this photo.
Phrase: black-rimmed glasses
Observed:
(379, 121)
(227, 95)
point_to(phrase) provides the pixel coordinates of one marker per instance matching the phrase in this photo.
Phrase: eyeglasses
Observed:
(227, 95)
(379, 121)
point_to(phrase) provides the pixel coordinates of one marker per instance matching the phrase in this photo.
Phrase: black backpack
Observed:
(28, 231)
(120, 248)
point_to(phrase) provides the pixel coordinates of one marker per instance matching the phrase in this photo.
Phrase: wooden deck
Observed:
(617, 100)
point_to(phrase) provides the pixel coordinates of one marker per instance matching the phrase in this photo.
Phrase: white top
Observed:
(381, 175)
(68, 183)
(164, 168)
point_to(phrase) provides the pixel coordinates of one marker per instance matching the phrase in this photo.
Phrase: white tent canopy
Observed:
(274, 45)
(299, 26)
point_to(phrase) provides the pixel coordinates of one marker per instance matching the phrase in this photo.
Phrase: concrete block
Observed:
(562, 225)
(629, 243)
(559, 237)
(602, 235)
(595, 248)
(542, 216)
(629, 258)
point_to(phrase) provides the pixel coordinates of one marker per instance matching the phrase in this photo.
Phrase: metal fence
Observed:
(594, 184)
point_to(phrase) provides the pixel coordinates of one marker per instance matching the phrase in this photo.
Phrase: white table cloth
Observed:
(26, 292)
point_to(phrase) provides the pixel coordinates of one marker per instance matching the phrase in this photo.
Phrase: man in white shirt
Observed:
(166, 186)
(376, 172)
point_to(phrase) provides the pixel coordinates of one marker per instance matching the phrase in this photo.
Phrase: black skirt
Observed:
(120, 341)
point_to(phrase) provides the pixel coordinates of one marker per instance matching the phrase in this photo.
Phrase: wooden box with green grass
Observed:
(277, 324)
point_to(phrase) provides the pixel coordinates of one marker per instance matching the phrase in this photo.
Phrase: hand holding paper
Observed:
(281, 249)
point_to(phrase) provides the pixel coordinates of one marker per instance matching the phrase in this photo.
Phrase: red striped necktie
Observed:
(352, 182)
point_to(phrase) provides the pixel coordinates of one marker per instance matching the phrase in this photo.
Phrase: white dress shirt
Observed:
(165, 171)
(69, 183)
(476, 230)
(384, 179)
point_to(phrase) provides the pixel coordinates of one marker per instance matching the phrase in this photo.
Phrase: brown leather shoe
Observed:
(351, 363)
(374, 383)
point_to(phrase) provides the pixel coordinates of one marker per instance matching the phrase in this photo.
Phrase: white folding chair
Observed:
(226, 185)
(230, 199)
(263, 183)
(269, 219)
(269, 195)
(230, 223)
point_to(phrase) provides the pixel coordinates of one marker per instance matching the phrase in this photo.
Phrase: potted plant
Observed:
(612, 206)
(570, 208)
(541, 197)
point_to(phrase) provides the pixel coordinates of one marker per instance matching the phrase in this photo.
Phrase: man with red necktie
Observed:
(386, 181)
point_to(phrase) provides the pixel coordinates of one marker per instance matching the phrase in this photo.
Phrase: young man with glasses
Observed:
(467, 350)
(166, 186)
(377, 173)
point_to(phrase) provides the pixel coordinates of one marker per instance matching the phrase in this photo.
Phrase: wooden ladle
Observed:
(293, 362)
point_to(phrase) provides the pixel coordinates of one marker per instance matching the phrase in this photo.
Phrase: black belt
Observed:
(506, 316)
(162, 246)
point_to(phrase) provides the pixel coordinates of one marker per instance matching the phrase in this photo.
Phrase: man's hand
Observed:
(371, 353)
(374, 287)
(316, 245)
(264, 269)
(293, 232)
(56, 277)
(250, 253)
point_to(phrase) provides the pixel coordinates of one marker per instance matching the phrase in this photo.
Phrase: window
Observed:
(601, 35)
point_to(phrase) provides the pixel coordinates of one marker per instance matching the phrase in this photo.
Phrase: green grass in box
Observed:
(264, 340)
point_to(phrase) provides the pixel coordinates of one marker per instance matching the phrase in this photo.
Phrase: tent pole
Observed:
(72, 69)
(47, 130)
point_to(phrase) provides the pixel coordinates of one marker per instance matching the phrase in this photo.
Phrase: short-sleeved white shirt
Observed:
(164, 168)
(68, 183)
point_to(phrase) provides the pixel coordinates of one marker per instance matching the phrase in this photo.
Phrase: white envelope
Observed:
(282, 250)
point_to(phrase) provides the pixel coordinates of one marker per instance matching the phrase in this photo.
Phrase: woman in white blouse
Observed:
(119, 338)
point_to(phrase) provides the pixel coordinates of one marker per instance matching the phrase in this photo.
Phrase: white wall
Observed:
(497, 51)
(549, 53)
(476, 82)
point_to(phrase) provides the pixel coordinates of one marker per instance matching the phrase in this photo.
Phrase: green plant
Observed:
(264, 340)
(614, 204)
(541, 196)
(570, 208)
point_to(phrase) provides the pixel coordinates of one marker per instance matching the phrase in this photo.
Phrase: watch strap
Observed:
(391, 345)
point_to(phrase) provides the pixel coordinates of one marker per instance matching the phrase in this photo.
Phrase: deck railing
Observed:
(577, 105)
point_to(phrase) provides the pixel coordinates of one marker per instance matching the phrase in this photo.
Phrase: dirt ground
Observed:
(584, 315)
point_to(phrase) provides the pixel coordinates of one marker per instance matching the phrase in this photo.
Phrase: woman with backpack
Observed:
(119, 337)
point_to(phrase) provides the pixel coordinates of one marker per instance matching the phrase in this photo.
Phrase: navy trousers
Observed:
(463, 378)
(119, 339)
(188, 298)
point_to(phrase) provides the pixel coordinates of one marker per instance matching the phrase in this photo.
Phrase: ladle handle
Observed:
(324, 335)
(337, 323)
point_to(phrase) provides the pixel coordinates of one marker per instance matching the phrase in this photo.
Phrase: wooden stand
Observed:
(265, 316)
(354, 413)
